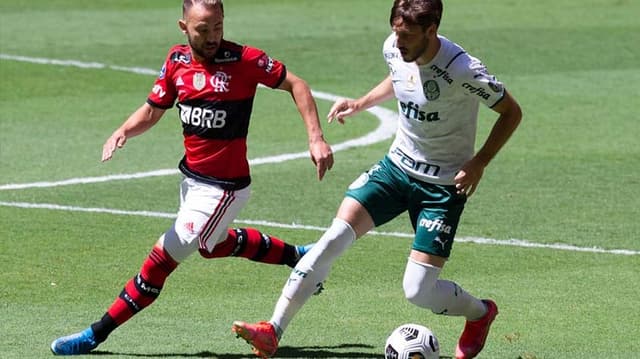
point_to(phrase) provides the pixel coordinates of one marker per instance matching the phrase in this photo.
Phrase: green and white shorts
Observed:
(386, 191)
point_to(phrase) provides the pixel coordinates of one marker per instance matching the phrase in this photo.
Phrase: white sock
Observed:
(310, 271)
(422, 288)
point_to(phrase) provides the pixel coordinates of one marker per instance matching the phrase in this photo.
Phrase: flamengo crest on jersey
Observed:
(438, 109)
(214, 103)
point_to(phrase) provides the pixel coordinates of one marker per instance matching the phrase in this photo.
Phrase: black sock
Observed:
(103, 327)
(290, 255)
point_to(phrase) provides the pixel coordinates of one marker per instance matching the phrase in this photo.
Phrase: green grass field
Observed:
(566, 185)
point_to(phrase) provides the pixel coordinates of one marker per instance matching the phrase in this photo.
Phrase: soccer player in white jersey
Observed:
(430, 171)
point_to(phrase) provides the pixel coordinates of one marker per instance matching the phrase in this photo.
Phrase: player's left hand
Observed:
(469, 176)
(322, 156)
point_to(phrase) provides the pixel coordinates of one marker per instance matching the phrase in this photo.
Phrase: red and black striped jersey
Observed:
(214, 102)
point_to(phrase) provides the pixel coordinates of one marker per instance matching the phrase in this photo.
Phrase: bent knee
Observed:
(177, 248)
(427, 299)
(415, 294)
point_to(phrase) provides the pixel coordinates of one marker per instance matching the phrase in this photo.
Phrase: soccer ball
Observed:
(412, 341)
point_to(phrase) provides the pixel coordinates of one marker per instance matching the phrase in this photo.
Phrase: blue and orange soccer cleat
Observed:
(75, 344)
(475, 333)
(261, 336)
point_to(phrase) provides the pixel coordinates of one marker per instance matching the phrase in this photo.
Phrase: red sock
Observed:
(144, 288)
(254, 245)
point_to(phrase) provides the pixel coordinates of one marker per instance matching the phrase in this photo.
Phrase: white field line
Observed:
(384, 131)
(80, 64)
(477, 240)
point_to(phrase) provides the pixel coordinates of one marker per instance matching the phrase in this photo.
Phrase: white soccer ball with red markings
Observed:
(412, 341)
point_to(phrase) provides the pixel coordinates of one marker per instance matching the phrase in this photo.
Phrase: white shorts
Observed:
(205, 213)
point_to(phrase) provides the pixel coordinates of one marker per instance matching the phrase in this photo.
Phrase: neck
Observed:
(433, 46)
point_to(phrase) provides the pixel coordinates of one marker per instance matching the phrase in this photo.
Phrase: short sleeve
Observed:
(479, 82)
(267, 70)
(163, 93)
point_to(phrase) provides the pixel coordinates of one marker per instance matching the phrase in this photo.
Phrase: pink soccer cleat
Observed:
(475, 333)
(261, 336)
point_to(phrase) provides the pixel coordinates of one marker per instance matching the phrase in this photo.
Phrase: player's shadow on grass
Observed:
(336, 351)
(329, 352)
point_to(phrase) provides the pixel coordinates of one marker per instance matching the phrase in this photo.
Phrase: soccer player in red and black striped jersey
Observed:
(212, 82)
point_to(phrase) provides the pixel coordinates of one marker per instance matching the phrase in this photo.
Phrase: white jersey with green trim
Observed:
(438, 110)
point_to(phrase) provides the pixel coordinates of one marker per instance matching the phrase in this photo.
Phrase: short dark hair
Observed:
(417, 12)
(187, 4)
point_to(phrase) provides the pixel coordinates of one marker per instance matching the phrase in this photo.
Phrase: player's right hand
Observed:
(117, 140)
(322, 156)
